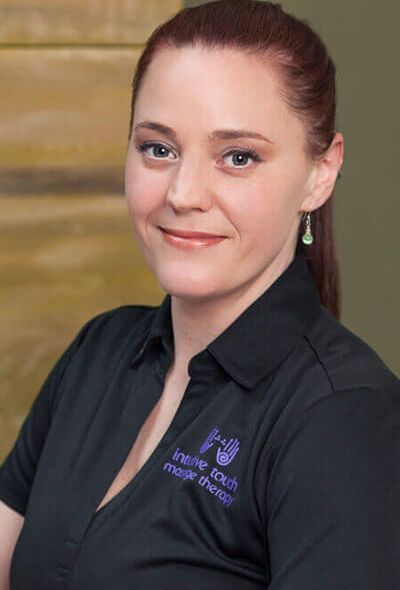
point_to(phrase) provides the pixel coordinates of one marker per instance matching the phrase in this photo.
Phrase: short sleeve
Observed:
(19, 467)
(333, 496)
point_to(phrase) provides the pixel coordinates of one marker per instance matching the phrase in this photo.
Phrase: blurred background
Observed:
(66, 247)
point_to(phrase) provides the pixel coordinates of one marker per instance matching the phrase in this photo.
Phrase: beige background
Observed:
(66, 247)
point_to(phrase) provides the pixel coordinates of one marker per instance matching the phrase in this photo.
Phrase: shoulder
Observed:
(347, 380)
(121, 316)
(114, 323)
(331, 483)
(100, 344)
(109, 332)
(101, 341)
(331, 366)
(344, 405)
(347, 360)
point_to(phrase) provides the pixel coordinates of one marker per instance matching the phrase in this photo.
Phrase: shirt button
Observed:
(62, 574)
(67, 559)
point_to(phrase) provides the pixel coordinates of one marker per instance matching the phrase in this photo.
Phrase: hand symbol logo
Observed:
(228, 451)
(209, 440)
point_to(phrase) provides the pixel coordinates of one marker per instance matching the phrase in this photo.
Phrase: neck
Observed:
(198, 321)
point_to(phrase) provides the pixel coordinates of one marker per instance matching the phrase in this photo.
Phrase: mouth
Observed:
(190, 239)
(189, 234)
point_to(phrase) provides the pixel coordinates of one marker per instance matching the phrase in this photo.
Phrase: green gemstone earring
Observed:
(307, 237)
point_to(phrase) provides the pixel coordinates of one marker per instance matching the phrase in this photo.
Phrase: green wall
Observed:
(363, 39)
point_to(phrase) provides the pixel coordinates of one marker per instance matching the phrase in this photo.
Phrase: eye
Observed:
(162, 149)
(163, 153)
(243, 154)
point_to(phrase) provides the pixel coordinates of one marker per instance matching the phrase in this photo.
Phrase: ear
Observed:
(324, 174)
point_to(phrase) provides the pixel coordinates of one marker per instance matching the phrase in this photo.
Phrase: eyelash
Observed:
(250, 153)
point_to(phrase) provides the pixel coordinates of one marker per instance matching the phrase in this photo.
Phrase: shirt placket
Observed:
(84, 523)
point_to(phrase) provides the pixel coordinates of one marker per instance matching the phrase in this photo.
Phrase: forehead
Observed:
(215, 87)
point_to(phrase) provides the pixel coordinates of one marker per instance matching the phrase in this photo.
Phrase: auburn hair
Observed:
(307, 82)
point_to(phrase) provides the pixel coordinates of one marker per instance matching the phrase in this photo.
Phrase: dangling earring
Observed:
(307, 237)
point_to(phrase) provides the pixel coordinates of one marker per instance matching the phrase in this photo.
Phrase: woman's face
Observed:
(194, 179)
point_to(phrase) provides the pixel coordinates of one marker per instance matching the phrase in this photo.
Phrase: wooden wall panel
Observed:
(82, 21)
(66, 69)
(64, 118)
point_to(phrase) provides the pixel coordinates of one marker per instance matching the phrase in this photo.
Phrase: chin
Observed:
(188, 285)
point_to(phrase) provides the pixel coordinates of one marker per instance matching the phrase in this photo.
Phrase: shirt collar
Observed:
(263, 335)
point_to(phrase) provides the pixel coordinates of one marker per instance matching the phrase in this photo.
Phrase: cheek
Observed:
(263, 211)
(256, 208)
(144, 191)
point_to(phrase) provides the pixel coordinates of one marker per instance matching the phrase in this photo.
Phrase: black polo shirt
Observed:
(280, 469)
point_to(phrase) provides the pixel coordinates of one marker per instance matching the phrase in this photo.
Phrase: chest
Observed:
(195, 501)
(149, 436)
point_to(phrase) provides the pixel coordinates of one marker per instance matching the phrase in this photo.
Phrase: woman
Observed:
(238, 435)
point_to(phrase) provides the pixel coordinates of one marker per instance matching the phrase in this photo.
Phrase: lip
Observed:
(191, 242)
(189, 234)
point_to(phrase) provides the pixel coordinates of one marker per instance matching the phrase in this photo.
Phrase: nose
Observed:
(189, 187)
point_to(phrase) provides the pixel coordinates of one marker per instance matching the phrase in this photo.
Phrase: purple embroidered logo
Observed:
(226, 452)
(212, 479)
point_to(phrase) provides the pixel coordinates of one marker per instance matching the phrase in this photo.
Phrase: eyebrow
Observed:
(215, 135)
